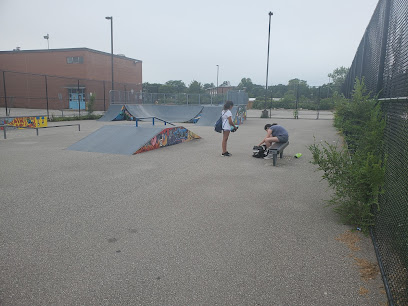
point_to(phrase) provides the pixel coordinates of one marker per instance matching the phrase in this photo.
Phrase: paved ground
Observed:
(175, 226)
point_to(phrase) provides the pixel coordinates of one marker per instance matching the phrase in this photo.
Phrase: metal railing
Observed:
(4, 127)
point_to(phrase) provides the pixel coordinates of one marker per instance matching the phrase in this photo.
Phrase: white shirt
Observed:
(225, 123)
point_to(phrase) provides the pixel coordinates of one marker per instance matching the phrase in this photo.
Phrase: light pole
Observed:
(47, 37)
(218, 68)
(111, 20)
(265, 112)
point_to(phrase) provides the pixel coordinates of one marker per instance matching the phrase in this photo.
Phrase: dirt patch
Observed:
(363, 291)
(368, 270)
(350, 239)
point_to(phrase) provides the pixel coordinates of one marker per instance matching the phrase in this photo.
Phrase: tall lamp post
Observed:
(218, 69)
(265, 112)
(47, 37)
(111, 20)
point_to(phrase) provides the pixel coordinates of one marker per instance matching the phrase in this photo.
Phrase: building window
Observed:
(75, 60)
(74, 93)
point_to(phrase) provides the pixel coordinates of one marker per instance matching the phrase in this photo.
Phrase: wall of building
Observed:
(43, 78)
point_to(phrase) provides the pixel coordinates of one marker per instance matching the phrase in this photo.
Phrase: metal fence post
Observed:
(104, 96)
(384, 46)
(79, 102)
(297, 101)
(46, 95)
(5, 94)
(318, 104)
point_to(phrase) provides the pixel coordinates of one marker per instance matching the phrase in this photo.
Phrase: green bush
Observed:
(355, 170)
(91, 104)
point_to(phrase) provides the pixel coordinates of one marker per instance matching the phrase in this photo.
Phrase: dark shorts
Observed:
(282, 138)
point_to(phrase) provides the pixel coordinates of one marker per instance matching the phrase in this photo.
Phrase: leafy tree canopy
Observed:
(178, 85)
(208, 85)
(339, 76)
(195, 87)
(299, 88)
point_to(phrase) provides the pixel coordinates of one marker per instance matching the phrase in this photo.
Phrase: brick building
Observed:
(62, 78)
(220, 90)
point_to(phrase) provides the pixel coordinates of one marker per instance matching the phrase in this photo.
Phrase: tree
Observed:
(339, 76)
(277, 91)
(300, 87)
(167, 89)
(153, 87)
(195, 87)
(177, 86)
(246, 84)
(257, 91)
(208, 86)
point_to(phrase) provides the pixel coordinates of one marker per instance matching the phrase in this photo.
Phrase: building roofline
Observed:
(69, 49)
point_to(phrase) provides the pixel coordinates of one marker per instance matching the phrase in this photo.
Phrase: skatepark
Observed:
(179, 225)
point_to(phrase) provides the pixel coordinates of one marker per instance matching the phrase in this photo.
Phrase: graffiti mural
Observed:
(122, 115)
(26, 122)
(168, 137)
(240, 115)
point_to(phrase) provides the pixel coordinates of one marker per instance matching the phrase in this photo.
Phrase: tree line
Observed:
(296, 90)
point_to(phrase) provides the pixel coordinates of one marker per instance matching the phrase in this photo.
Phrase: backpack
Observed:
(259, 151)
(218, 125)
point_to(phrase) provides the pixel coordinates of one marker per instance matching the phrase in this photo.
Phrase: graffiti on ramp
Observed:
(168, 137)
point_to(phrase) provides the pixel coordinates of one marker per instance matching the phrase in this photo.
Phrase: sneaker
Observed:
(226, 154)
(269, 156)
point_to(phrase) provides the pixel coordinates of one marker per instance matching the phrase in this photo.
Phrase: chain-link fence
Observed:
(37, 91)
(135, 97)
(391, 226)
(382, 61)
(382, 57)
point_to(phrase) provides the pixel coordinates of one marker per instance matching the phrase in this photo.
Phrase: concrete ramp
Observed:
(169, 113)
(115, 112)
(128, 140)
(209, 115)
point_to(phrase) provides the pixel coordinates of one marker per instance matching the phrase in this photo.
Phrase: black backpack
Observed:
(218, 125)
(259, 151)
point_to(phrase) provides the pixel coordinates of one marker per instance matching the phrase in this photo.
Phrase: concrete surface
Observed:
(179, 225)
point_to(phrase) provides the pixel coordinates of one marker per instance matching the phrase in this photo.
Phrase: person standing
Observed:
(226, 126)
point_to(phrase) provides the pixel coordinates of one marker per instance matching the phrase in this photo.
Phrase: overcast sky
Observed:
(186, 39)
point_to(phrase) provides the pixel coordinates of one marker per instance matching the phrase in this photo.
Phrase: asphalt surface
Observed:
(179, 225)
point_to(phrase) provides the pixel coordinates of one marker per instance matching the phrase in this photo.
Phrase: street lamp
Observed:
(111, 20)
(265, 112)
(47, 37)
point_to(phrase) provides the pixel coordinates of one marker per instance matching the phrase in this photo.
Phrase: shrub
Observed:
(355, 170)
(91, 104)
